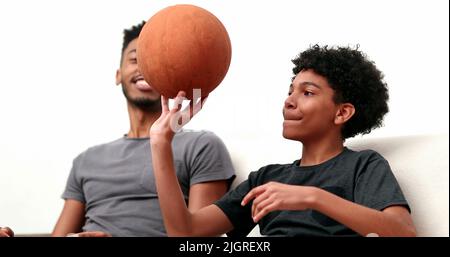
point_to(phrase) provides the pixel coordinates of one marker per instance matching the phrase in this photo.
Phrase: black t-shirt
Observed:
(362, 177)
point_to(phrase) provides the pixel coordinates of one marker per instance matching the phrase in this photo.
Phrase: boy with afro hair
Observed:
(336, 93)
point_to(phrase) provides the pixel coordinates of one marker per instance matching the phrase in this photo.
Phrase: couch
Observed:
(421, 166)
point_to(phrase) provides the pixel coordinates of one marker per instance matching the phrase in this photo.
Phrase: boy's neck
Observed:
(321, 150)
(140, 122)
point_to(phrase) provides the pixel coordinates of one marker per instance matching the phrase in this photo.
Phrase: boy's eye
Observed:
(308, 93)
(289, 93)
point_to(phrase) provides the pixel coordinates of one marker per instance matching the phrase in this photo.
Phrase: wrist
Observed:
(313, 201)
(159, 140)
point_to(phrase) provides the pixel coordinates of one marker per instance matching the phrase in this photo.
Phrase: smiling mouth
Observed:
(137, 78)
(141, 84)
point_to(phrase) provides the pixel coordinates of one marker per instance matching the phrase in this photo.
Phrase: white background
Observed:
(57, 93)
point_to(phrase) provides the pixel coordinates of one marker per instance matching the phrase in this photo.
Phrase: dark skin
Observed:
(128, 75)
(312, 118)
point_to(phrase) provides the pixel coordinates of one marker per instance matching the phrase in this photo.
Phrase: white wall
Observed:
(58, 60)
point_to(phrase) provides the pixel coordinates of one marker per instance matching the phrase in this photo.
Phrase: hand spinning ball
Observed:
(183, 47)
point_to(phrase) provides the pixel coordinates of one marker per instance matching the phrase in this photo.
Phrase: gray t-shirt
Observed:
(115, 181)
(361, 177)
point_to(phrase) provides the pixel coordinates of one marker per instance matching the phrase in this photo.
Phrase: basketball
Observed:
(183, 47)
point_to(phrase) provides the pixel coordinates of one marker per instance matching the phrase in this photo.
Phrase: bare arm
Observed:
(392, 221)
(178, 219)
(71, 219)
(204, 194)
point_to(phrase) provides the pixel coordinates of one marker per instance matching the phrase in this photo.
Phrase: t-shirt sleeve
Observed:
(376, 186)
(210, 160)
(240, 216)
(74, 188)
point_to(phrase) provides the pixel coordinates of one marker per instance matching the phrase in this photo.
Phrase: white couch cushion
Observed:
(420, 164)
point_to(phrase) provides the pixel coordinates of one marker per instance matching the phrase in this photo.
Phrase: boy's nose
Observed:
(289, 104)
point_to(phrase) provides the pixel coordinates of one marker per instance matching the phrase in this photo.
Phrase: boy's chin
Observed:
(291, 136)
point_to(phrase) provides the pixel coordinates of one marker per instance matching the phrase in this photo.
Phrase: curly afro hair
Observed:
(354, 79)
(131, 34)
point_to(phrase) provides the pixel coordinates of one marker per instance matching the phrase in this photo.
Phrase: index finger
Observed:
(178, 101)
(164, 103)
(253, 194)
(195, 107)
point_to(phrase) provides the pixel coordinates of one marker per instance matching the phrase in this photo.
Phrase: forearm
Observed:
(177, 218)
(360, 219)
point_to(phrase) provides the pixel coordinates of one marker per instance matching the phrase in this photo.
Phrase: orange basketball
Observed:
(183, 47)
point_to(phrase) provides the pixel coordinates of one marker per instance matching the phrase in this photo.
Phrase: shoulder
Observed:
(195, 134)
(368, 162)
(366, 155)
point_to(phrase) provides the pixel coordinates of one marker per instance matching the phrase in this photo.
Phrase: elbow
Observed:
(179, 231)
(176, 233)
(179, 226)
(399, 223)
(410, 231)
(405, 231)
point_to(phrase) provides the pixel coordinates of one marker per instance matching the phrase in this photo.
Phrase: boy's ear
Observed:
(344, 113)
(118, 77)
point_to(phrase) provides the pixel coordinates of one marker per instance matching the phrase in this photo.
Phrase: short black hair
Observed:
(355, 79)
(131, 34)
